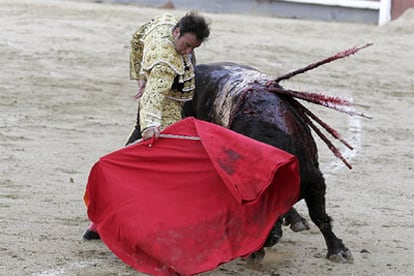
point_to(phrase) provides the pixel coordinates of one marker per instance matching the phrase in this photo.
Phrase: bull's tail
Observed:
(333, 102)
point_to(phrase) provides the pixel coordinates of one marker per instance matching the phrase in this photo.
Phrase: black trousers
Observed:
(136, 133)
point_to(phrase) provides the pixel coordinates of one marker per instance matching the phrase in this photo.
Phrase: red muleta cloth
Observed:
(184, 206)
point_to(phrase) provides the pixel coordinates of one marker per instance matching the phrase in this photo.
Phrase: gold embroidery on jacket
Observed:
(154, 59)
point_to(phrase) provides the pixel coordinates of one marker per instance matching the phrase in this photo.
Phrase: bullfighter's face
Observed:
(185, 43)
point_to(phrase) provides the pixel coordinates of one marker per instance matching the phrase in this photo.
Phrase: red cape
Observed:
(185, 206)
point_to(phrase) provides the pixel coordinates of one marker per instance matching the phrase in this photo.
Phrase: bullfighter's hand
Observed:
(141, 88)
(151, 132)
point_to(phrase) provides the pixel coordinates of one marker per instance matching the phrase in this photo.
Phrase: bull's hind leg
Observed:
(315, 200)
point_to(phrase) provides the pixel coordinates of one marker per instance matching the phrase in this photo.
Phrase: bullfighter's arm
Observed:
(136, 53)
(153, 103)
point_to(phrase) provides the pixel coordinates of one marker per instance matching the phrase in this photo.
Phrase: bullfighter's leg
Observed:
(91, 233)
(315, 201)
(136, 132)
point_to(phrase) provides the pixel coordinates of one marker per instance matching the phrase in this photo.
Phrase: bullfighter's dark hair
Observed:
(194, 23)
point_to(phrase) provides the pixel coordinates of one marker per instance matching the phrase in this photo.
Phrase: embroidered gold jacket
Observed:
(169, 75)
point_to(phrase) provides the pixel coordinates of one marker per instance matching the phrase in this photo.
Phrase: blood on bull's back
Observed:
(234, 96)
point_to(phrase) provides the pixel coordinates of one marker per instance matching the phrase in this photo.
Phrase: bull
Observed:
(243, 99)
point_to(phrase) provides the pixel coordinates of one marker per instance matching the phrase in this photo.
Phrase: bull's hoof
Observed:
(274, 236)
(343, 257)
(300, 226)
(256, 258)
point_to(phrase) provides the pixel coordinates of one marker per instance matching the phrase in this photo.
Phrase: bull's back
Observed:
(215, 83)
(235, 97)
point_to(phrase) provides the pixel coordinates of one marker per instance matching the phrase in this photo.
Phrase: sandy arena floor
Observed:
(66, 99)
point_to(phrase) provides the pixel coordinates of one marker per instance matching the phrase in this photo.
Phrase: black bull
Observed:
(234, 96)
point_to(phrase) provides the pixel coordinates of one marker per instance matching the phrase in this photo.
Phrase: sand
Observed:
(66, 99)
